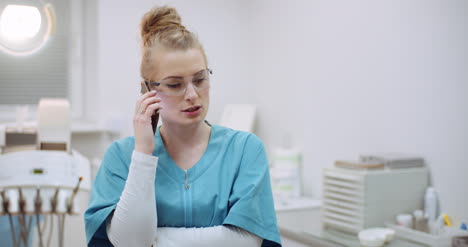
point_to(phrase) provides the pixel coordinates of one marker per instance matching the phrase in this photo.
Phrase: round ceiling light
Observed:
(25, 26)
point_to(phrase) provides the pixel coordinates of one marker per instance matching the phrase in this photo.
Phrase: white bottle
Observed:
(430, 204)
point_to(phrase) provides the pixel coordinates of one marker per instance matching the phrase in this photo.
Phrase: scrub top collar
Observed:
(167, 164)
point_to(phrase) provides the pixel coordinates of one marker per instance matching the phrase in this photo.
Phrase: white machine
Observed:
(48, 171)
(354, 200)
(42, 180)
(41, 183)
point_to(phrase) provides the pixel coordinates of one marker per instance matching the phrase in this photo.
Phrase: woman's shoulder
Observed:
(126, 143)
(237, 136)
(120, 150)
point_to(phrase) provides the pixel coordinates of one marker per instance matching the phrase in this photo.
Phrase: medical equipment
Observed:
(37, 183)
(51, 131)
(354, 200)
(42, 181)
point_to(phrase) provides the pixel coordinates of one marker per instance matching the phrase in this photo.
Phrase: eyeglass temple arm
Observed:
(154, 82)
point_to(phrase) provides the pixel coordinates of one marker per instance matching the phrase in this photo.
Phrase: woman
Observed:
(191, 183)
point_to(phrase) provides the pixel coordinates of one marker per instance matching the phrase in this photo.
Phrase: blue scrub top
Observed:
(229, 185)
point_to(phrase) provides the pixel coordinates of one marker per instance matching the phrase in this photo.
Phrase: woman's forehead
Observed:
(177, 62)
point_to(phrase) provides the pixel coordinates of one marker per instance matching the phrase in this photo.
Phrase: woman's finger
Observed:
(151, 109)
(148, 102)
(141, 98)
(143, 101)
(144, 96)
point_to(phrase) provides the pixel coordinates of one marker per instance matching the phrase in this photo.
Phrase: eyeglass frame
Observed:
(210, 71)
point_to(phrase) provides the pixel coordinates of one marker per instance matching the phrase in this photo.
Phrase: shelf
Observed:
(296, 203)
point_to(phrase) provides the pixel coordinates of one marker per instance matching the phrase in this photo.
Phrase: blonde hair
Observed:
(162, 26)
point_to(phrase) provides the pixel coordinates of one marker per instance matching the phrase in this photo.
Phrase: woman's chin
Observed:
(186, 121)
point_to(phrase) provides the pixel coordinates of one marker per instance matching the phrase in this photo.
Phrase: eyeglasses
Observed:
(177, 85)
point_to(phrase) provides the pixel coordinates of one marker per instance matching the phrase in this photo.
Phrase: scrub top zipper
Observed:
(187, 186)
(187, 201)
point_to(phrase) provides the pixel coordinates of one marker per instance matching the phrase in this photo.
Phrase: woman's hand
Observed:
(144, 137)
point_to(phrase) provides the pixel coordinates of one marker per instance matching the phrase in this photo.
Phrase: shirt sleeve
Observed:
(251, 201)
(106, 191)
(225, 236)
(134, 221)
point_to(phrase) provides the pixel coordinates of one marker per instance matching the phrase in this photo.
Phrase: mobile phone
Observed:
(155, 116)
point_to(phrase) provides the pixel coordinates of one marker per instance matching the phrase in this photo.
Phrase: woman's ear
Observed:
(143, 89)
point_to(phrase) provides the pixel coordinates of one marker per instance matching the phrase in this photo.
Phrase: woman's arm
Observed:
(134, 221)
(226, 236)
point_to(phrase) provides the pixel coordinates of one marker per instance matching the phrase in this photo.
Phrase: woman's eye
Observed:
(199, 81)
(154, 84)
(176, 85)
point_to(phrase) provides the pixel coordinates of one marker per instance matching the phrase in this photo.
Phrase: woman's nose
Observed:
(190, 92)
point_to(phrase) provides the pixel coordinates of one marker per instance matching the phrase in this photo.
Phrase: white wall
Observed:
(338, 78)
(218, 24)
(346, 77)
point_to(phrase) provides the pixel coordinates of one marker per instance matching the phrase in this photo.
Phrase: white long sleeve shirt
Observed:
(134, 221)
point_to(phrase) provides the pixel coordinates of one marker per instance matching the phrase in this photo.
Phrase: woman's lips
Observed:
(192, 109)
(193, 112)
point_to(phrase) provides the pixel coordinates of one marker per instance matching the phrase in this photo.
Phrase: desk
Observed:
(304, 225)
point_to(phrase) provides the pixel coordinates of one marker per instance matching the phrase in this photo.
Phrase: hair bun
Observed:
(159, 20)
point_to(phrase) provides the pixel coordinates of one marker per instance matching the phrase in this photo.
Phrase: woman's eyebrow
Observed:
(172, 77)
(199, 72)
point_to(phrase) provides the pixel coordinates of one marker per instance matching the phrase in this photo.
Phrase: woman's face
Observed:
(192, 106)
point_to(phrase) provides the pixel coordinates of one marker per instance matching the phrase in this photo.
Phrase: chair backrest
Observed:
(239, 117)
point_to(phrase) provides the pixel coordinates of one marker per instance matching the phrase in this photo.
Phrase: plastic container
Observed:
(376, 237)
(405, 220)
(420, 222)
(286, 173)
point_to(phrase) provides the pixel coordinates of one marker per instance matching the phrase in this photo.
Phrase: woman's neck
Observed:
(177, 137)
